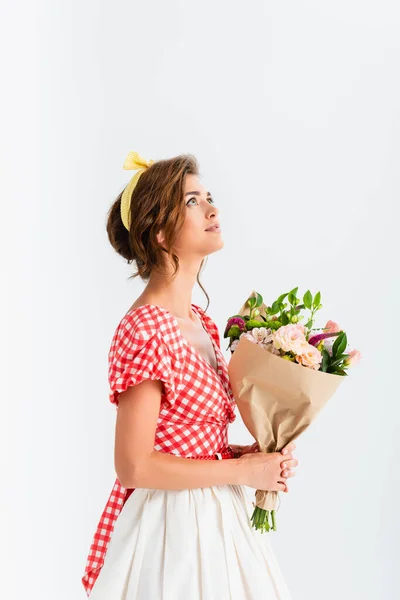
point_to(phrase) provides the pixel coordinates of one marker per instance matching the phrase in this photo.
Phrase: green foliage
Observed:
(234, 332)
(289, 312)
(254, 323)
(274, 325)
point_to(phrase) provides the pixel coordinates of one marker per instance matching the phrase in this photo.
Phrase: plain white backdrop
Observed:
(293, 111)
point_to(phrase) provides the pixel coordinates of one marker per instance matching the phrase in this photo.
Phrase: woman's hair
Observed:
(157, 202)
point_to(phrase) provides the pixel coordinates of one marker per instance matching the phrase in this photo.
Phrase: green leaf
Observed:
(343, 345)
(292, 296)
(308, 325)
(325, 360)
(284, 319)
(336, 345)
(340, 344)
(259, 300)
(336, 362)
(251, 302)
(317, 299)
(341, 372)
(281, 298)
(274, 308)
(341, 356)
(307, 299)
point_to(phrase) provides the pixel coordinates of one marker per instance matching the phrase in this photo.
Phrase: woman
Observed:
(176, 525)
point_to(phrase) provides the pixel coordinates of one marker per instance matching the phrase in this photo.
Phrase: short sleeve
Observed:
(138, 352)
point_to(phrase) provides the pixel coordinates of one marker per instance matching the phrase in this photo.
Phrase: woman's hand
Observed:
(240, 450)
(288, 461)
(287, 464)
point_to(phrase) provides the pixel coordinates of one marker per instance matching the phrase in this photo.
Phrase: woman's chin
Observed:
(218, 244)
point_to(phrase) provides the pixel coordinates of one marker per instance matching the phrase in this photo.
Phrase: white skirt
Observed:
(193, 544)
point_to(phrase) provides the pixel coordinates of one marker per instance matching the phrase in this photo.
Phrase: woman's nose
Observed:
(213, 211)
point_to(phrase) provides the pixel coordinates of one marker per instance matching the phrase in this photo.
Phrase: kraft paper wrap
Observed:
(277, 399)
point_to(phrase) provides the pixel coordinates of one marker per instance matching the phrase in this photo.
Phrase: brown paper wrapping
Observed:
(277, 399)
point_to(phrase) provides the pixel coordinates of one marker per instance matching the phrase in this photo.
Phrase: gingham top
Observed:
(197, 402)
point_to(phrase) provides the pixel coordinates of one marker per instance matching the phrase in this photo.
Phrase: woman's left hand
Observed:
(240, 450)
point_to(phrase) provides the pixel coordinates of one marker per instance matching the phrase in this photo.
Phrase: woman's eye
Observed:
(190, 199)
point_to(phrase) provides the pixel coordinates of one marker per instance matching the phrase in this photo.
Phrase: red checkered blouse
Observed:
(197, 402)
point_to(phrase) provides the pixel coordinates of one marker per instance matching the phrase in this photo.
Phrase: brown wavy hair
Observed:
(157, 202)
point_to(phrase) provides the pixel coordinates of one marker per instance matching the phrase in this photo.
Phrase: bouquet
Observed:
(282, 373)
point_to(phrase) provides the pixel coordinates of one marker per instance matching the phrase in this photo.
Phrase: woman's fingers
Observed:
(288, 473)
(283, 483)
(287, 463)
(286, 470)
(288, 448)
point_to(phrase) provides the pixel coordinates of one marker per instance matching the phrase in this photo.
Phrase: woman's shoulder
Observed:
(143, 321)
(150, 320)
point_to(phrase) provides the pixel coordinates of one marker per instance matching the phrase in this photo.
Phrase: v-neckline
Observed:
(185, 341)
(216, 371)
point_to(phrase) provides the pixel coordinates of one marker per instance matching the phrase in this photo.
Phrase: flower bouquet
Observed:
(282, 373)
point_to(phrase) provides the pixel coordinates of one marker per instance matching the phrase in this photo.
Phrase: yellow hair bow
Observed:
(136, 163)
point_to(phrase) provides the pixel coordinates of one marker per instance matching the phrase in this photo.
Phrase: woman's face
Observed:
(201, 213)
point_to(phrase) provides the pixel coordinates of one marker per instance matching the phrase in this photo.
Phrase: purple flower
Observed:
(241, 323)
(315, 339)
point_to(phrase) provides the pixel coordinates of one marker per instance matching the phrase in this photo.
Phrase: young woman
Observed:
(176, 525)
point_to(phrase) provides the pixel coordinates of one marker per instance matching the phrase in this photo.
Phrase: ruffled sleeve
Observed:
(138, 352)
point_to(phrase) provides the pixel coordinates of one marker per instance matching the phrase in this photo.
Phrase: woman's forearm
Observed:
(166, 471)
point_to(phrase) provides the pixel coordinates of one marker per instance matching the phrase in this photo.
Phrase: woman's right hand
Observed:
(269, 471)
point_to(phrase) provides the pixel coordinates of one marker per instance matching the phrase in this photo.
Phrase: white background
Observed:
(293, 111)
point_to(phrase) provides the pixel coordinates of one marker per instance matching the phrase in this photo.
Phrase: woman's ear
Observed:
(160, 237)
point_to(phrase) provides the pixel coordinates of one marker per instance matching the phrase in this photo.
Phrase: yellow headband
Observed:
(133, 162)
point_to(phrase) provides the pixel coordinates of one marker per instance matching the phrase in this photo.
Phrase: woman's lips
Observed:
(216, 229)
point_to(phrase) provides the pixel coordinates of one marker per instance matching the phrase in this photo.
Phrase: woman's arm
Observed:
(138, 465)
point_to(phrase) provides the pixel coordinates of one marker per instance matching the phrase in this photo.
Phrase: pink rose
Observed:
(289, 338)
(353, 359)
(332, 327)
(310, 357)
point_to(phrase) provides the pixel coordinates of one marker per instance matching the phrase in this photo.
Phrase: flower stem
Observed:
(260, 519)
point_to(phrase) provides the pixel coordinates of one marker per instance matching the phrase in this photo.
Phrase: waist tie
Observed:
(224, 454)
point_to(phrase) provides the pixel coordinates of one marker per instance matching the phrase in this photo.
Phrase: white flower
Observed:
(258, 335)
(261, 334)
(328, 343)
(233, 345)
